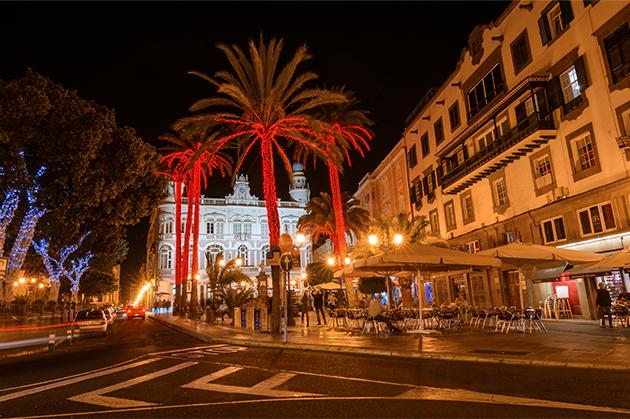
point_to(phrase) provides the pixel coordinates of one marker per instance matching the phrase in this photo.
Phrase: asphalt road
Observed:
(143, 369)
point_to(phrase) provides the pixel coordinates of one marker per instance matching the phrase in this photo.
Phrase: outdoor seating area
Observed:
(445, 318)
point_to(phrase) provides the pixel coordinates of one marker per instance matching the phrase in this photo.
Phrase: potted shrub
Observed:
(51, 306)
(19, 304)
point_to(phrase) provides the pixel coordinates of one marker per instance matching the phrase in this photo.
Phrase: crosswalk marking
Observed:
(194, 348)
(98, 398)
(264, 388)
(74, 380)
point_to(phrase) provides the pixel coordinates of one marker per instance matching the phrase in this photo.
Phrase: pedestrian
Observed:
(318, 302)
(375, 310)
(603, 303)
(305, 307)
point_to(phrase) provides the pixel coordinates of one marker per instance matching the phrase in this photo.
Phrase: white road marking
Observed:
(97, 396)
(460, 395)
(264, 388)
(69, 376)
(194, 348)
(74, 380)
(259, 401)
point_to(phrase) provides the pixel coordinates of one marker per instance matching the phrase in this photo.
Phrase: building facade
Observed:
(528, 140)
(235, 226)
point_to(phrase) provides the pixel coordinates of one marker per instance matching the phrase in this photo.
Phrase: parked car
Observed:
(92, 321)
(135, 311)
(121, 313)
(109, 315)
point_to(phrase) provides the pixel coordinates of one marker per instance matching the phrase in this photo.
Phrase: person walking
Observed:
(318, 302)
(305, 307)
(603, 304)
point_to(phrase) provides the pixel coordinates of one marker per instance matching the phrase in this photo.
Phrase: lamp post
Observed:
(397, 240)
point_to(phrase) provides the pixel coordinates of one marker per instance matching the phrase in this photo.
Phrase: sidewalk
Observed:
(575, 344)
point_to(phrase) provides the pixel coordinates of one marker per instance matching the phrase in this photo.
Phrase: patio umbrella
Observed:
(330, 286)
(523, 255)
(619, 260)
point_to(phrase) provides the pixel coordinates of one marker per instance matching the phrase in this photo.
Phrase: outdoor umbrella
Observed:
(522, 255)
(418, 257)
(619, 260)
(330, 286)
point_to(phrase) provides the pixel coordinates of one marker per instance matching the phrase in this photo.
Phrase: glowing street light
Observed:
(300, 238)
(238, 261)
(398, 239)
(373, 239)
(331, 261)
(141, 293)
(22, 280)
(15, 283)
(221, 262)
(243, 284)
(347, 260)
(41, 285)
(33, 280)
(304, 275)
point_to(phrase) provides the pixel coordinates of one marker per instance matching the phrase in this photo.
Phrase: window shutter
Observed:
(555, 93)
(419, 191)
(425, 184)
(521, 114)
(543, 26)
(440, 173)
(580, 69)
(412, 194)
(566, 11)
(434, 180)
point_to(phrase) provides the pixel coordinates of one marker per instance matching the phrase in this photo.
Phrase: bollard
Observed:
(76, 333)
(51, 342)
(69, 336)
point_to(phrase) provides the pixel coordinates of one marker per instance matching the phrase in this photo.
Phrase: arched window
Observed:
(166, 257)
(263, 253)
(237, 228)
(212, 251)
(264, 229)
(214, 227)
(243, 253)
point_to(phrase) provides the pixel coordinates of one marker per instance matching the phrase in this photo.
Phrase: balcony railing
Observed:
(523, 129)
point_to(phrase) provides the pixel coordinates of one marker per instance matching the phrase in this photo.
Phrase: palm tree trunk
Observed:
(186, 250)
(195, 255)
(273, 221)
(178, 244)
(340, 227)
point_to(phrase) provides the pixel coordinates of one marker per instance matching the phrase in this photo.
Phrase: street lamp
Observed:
(347, 260)
(331, 261)
(373, 239)
(22, 280)
(398, 239)
(33, 280)
(221, 262)
(238, 261)
(300, 238)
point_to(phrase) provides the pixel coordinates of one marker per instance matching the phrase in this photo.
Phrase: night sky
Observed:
(134, 58)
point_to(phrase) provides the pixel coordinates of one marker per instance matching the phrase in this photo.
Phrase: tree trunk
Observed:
(22, 243)
(186, 250)
(195, 256)
(53, 291)
(178, 246)
(7, 211)
(273, 221)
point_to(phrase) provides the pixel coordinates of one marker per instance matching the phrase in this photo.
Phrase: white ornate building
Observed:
(235, 226)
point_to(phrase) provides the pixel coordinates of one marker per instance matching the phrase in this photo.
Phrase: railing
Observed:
(526, 127)
(620, 72)
(573, 104)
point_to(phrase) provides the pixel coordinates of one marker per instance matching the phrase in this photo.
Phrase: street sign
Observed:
(286, 262)
(273, 258)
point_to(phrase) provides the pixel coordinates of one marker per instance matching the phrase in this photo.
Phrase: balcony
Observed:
(527, 135)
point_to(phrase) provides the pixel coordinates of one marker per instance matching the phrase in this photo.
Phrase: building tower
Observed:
(299, 189)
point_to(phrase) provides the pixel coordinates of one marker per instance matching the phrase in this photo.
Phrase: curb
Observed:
(4, 357)
(399, 354)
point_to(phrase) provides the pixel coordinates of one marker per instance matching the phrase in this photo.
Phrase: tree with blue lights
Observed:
(78, 268)
(7, 212)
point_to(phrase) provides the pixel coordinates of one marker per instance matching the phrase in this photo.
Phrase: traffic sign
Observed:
(286, 262)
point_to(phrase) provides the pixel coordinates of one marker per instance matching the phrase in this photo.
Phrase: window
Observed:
(438, 128)
(434, 221)
(429, 185)
(526, 108)
(412, 156)
(521, 55)
(424, 143)
(473, 246)
(554, 20)
(214, 228)
(212, 252)
(166, 257)
(500, 193)
(584, 153)
(449, 214)
(166, 226)
(597, 219)
(453, 116)
(570, 84)
(485, 90)
(542, 172)
(553, 230)
(237, 228)
(243, 254)
(264, 229)
(617, 48)
(247, 229)
(468, 211)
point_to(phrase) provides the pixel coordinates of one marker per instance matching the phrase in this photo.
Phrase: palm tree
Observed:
(226, 281)
(264, 105)
(320, 221)
(194, 163)
(345, 128)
